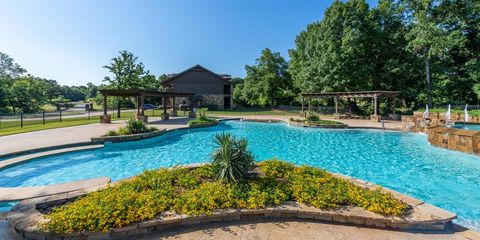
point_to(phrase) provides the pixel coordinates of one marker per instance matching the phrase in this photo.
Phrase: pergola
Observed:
(140, 95)
(361, 94)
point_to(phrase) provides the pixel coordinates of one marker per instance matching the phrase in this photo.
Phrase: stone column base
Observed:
(142, 118)
(375, 118)
(173, 113)
(191, 115)
(106, 118)
(165, 116)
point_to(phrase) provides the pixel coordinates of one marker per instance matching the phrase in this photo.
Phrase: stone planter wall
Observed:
(203, 125)
(314, 125)
(126, 138)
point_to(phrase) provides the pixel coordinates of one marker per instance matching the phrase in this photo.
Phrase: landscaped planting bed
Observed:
(198, 192)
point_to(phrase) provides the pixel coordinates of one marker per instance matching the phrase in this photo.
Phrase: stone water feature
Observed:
(441, 135)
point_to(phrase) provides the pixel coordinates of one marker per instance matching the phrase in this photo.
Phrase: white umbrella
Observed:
(466, 113)
(426, 113)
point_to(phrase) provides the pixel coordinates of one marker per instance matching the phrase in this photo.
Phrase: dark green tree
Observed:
(268, 82)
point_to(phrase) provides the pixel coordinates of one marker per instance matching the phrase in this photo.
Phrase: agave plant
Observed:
(232, 160)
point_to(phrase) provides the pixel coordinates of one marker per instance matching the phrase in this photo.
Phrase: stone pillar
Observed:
(142, 118)
(105, 118)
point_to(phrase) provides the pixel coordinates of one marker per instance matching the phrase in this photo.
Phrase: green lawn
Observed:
(13, 127)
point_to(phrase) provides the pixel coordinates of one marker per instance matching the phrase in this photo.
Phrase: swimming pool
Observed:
(467, 126)
(404, 162)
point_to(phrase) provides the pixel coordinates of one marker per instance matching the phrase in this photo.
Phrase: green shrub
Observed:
(312, 118)
(196, 122)
(132, 126)
(197, 192)
(135, 126)
(231, 160)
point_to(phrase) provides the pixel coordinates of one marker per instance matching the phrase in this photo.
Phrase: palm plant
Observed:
(232, 160)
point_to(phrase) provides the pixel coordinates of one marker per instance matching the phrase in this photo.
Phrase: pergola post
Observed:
(104, 105)
(336, 105)
(174, 111)
(375, 117)
(191, 113)
(302, 113)
(309, 104)
(165, 113)
(141, 109)
(105, 118)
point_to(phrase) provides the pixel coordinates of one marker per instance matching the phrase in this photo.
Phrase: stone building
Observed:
(211, 90)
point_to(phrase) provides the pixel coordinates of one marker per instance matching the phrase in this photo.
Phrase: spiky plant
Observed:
(231, 160)
(136, 126)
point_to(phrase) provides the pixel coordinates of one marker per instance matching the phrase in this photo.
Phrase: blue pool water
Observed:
(467, 126)
(402, 161)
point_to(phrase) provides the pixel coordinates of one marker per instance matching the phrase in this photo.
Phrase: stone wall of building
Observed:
(216, 100)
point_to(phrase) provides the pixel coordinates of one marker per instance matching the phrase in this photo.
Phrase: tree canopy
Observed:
(427, 49)
(267, 83)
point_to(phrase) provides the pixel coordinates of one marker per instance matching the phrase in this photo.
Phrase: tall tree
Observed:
(127, 73)
(335, 54)
(9, 70)
(268, 82)
(426, 38)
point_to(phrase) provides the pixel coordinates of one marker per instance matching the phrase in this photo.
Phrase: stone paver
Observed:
(295, 230)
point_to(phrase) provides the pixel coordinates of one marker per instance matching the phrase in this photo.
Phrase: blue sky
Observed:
(71, 40)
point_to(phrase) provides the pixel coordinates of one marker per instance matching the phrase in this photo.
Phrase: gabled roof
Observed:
(195, 68)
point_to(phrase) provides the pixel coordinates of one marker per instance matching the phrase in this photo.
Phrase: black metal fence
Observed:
(28, 119)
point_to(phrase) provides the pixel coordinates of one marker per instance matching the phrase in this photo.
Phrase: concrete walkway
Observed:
(83, 133)
(278, 230)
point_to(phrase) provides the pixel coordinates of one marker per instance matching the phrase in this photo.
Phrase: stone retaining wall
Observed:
(467, 141)
(315, 125)
(126, 138)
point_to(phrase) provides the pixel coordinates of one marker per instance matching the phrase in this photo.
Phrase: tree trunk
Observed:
(428, 80)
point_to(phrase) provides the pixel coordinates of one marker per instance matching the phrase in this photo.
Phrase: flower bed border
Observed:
(24, 217)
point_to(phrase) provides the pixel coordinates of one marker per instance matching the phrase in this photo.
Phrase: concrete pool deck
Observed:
(82, 134)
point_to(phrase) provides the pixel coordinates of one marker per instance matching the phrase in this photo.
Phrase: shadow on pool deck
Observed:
(295, 229)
